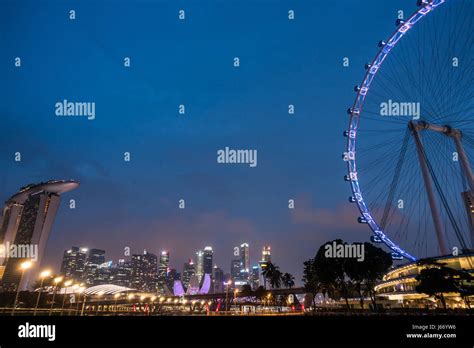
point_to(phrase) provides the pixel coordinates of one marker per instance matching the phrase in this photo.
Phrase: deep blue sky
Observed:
(188, 62)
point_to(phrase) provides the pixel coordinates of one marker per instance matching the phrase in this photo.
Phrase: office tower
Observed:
(207, 263)
(103, 274)
(163, 271)
(26, 221)
(199, 265)
(254, 277)
(235, 267)
(266, 258)
(95, 258)
(266, 255)
(122, 273)
(188, 271)
(73, 263)
(172, 276)
(245, 256)
(218, 277)
(144, 272)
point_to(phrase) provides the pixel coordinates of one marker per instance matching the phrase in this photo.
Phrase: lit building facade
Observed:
(26, 220)
(163, 271)
(144, 272)
(398, 286)
(188, 271)
(207, 262)
(245, 256)
(199, 264)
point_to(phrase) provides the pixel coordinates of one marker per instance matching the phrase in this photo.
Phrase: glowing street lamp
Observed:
(43, 275)
(24, 266)
(56, 281)
(66, 286)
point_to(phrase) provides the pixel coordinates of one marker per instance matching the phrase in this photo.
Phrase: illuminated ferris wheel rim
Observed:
(426, 6)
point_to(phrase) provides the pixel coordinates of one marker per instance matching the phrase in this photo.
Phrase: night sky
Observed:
(135, 204)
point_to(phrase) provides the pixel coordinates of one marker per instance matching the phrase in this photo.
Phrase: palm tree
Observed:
(272, 274)
(288, 280)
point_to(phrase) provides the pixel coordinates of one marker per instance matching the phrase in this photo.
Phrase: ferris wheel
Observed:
(410, 140)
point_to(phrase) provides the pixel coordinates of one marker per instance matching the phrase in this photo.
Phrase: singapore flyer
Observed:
(171, 172)
(410, 139)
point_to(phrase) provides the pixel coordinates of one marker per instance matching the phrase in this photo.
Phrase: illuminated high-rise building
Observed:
(144, 272)
(27, 219)
(74, 261)
(245, 256)
(218, 277)
(207, 262)
(199, 265)
(266, 258)
(188, 271)
(266, 255)
(163, 271)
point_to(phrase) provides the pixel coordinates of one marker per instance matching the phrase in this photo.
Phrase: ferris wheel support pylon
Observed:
(443, 247)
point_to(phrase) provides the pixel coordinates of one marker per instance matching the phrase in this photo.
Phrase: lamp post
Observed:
(116, 296)
(24, 266)
(227, 295)
(43, 275)
(66, 286)
(99, 295)
(83, 303)
(56, 281)
(79, 291)
(75, 286)
(236, 291)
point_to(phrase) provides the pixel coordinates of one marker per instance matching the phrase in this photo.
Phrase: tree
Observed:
(367, 273)
(312, 284)
(272, 274)
(330, 272)
(288, 280)
(437, 279)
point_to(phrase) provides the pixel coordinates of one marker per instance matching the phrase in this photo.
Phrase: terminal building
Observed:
(398, 286)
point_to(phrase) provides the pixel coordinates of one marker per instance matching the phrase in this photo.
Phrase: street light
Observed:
(24, 266)
(66, 286)
(56, 281)
(236, 291)
(99, 295)
(116, 296)
(79, 291)
(229, 283)
(43, 275)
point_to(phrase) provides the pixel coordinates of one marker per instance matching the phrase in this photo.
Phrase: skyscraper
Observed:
(145, 272)
(218, 276)
(188, 271)
(74, 261)
(235, 267)
(122, 273)
(26, 220)
(199, 264)
(266, 255)
(95, 259)
(266, 258)
(163, 271)
(245, 256)
(207, 264)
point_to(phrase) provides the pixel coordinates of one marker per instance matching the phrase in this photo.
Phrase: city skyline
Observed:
(173, 156)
